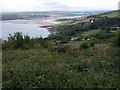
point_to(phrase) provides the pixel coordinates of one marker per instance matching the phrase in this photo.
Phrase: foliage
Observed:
(104, 35)
(61, 48)
(18, 41)
(14, 16)
(38, 68)
(87, 44)
(41, 63)
(84, 45)
(116, 40)
(105, 23)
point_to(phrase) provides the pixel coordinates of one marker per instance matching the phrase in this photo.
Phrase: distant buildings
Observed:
(118, 27)
(92, 20)
(74, 38)
(86, 39)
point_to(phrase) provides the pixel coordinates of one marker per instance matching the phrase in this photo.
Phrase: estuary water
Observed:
(32, 29)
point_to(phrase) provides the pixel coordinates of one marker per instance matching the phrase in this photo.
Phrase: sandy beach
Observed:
(41, 22)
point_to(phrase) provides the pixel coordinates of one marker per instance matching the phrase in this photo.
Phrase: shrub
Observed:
(61, 48)
(43, 43)
(104, 35)
(92, 43)
(116, 40)
(17, 41)
(85, 45)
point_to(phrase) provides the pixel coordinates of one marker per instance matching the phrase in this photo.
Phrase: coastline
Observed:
(49, 28)
(40, 23)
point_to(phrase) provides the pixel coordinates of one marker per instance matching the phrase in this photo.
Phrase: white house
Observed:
(91, 21)
(74, 38)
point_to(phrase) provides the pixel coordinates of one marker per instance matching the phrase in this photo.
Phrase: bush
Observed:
(62, 48)
(85, 45)
(104, 35)
(92, 43)
(43, 44)
(116, 40)
(15, 41)
(20, 41)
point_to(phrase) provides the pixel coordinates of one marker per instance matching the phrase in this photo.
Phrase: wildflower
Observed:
(58, 65)
(104, 72)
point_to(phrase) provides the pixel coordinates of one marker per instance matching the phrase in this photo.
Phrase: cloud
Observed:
(119, 5)
(54, 5)
(51, 3)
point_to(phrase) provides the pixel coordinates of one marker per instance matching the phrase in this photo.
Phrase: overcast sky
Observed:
(57, 5)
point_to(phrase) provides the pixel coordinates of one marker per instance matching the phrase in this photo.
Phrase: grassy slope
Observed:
(108, 14)
(88, 33)
(111, 14)
(87, 68)
(37, 68)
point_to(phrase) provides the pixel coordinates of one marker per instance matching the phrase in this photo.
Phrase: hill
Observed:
(36, 15)
(111, 14)
(89, 61)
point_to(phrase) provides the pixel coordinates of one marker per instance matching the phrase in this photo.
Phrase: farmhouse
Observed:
(74, 38)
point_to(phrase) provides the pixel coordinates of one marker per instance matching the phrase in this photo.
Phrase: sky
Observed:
(57, 5)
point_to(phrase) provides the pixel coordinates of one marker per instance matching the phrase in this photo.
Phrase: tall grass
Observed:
(48, 65)
(41, 68)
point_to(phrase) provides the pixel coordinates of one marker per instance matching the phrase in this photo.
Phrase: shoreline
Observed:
(49, 28)
(41, 23)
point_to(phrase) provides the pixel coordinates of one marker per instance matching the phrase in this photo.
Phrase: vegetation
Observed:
(103, 27)
(16, 16)
(69, 20)
(91, 61)
(116, 40)
(87, 44)
(111, 14)
(39, 15)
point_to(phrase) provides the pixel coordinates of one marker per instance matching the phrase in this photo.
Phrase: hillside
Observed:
(15, 16)
(80, 55)
(38, 15)
(111, 14)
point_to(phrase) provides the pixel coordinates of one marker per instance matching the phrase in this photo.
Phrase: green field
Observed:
(111, 14)
(89, 33)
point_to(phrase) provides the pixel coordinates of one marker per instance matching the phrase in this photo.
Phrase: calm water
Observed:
(32, 30)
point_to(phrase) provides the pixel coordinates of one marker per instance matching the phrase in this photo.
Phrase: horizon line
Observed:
(56, 11)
